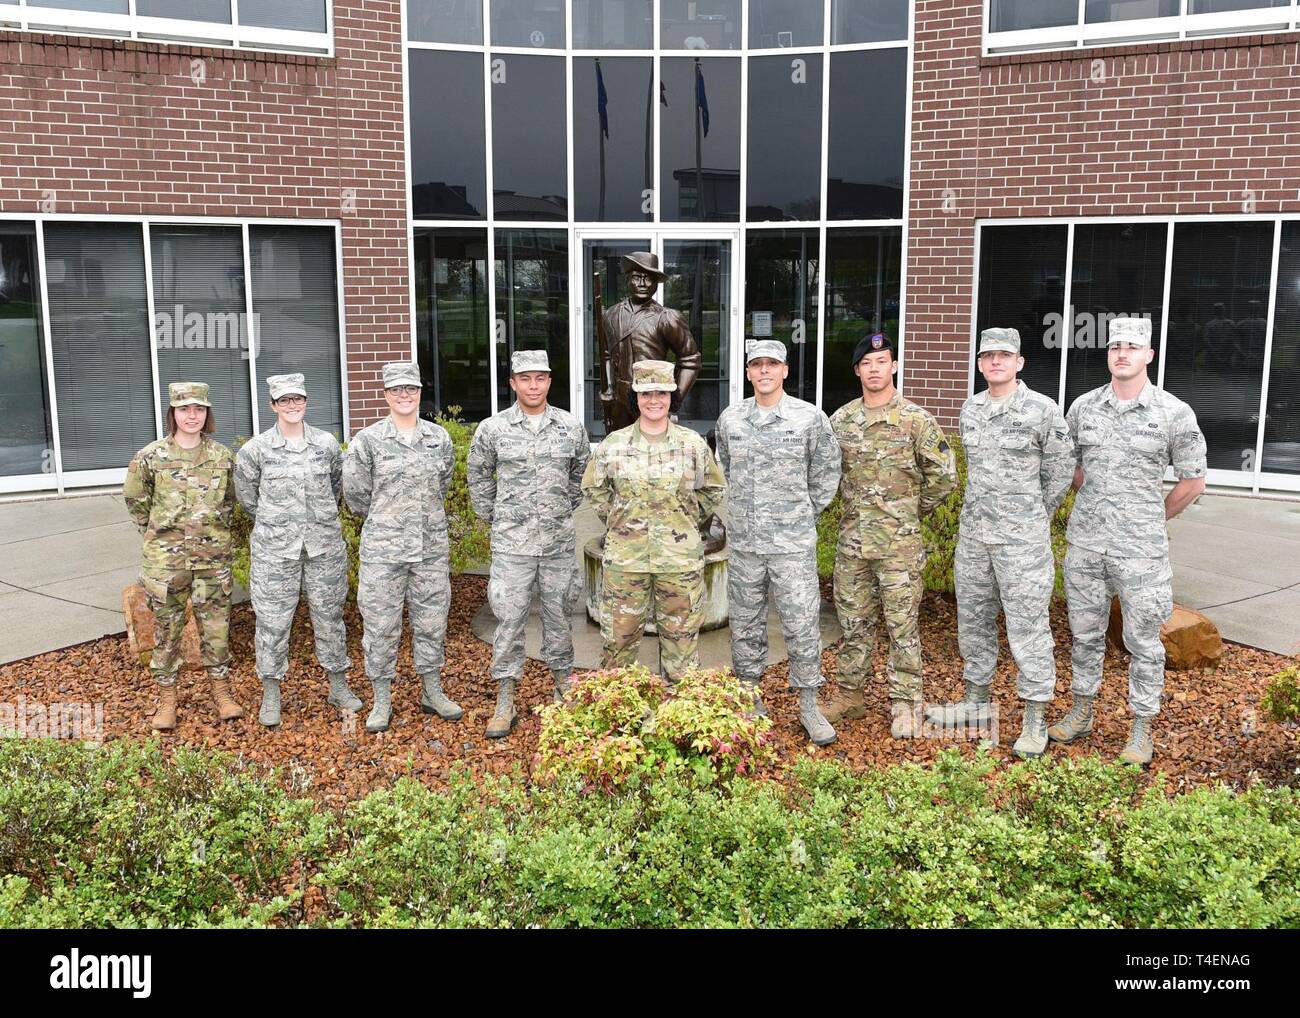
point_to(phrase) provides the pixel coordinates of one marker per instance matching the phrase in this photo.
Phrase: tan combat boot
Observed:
(165, 719)
(846, 705)
(1140, 745)
(1076, 724)
(1033, 731)
(905, 719)
(504, 718)
(227, 708)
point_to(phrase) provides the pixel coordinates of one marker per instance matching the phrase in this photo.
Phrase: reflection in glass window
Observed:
(613, 24)
(785, 122)
(781, 301)
(1218, 6)
(699, 24)
(1022, 287)
(216, 11)
(775, 23)
(1102, 11)
(613, 131)
(1218, 299)
(451, 322)
(1281, 453)
(868, 21)
(293, 15)
(532, 280)
(448, 181)
(863, 283)
(1019, 15)
(26, 441)
(457, 21)
(529, 159)
(699, 286)
(536, 23)
(699, 126)
(603, 257)
(865, 152)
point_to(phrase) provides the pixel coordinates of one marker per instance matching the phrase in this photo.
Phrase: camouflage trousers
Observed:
(1144, 587)
(792, 580)
(625, 603)
(865, 590)
(274, 585)
(510, 596)
(1016, 579)
(208, 591)
(425, 586)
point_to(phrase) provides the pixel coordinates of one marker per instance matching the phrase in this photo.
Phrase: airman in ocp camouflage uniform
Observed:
(289, 479)
(396, 474)
(653, 484)
(525, 471)
(782, 466)
(1019, 464)
(179, 493)
(897, 468)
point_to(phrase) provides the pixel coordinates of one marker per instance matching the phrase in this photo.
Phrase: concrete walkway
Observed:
(64, 562)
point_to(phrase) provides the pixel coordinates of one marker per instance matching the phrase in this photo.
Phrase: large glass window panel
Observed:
(456, 21)
(451, 318)
(786, 23)
(448, 139)
(216, 11)
(201, 327)
(699, 286)
(26, 441)
(1102, 11)
(868, 21)
(613, 148)
(537, 23)
(605, 257)
(781, 301)
(1119, 269)
(785, 127)
(699, 24)
(613, 24)
(292, 15)
(529, 154)
(532, 280)
(1218, 293)
(865, 151)
(1020, 15)
(1219, 6)
(1281, 452)
(295, 298)
(94, 6)
(699, 130)
(1022, 286)
(99, 328)
(863, 285)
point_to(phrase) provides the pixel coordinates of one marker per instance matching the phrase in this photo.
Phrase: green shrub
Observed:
(1281, 701)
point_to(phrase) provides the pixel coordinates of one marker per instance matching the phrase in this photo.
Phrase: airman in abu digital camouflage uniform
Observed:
(289, 479)
(1019, 464)
(525, 471)
(782, 466)
(653, 484)
(396, 474)
(897, 468)
(180, 495)
(1125, 434)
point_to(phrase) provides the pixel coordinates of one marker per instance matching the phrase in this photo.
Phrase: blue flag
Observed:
(701, 97)
(602, 101)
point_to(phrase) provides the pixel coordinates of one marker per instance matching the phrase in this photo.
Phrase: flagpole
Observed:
(600, 135)
(699, 145)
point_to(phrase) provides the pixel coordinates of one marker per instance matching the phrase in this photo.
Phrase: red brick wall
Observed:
(113, 127)
(1196, 127)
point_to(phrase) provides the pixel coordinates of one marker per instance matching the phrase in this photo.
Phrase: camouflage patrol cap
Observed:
(287, 385)
(772, 348)
(183, 393)
(529, 360)
(1136, 331)
(999, 339)
(653, 376)
(401, 373)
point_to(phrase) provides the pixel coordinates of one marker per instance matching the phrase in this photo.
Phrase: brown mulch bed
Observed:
(1210, 730)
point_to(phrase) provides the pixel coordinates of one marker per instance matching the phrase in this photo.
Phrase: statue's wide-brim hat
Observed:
(646, 262)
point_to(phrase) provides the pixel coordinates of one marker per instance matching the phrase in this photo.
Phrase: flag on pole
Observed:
(701, 97)
(602, 101)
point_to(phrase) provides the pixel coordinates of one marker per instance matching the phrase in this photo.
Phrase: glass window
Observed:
(216, 11)
(867, 123)
(1100, 11)
(1281, 453)
(868, 20)
(99, 330)
(1119, 269)
(699, 129)
(699, 286)
(457, 21)
(775, 23)
(201, 327)
(532, 279)
(613, 24)
(291, 15)
(1218, 291)
(785, 127)
(295, 298)
(1218, 6)
(26, 441)
(95, 6)
(1022, 286)
(448, 181)
(1019, 15)
(451, 319)
(604, 257)
(529, 151)
(863, 284)
(699, 24)
(781, 301)
(613, 128)
(537, 23)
